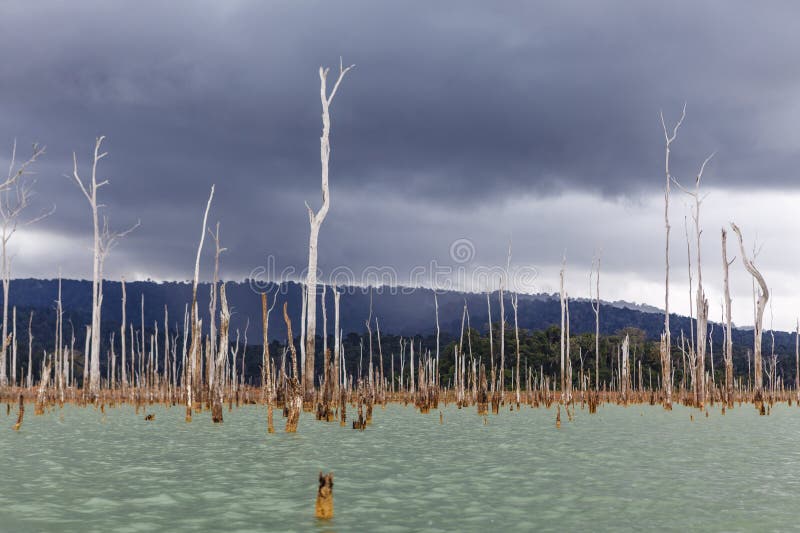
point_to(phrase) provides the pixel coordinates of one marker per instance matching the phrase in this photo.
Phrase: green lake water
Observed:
(623, 469)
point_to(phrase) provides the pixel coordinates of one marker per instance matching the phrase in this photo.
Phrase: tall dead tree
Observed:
(562, 298)
(16, 192)
(211, 359)
(596, 308)
(192, 374)
(315, 221)
(727, 353)
(514, 304)
(218, 388)
(337, 340)
(624, 379)
(666, 345)
(104, 241)
(491, 341)
(701, 302)
(122, 338)
(761, 304)
(436, 307)
(294, 396)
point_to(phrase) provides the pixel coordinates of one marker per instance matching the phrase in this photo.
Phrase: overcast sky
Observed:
(536, 122)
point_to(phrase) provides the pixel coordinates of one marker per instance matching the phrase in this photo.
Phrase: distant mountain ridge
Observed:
(401, 311)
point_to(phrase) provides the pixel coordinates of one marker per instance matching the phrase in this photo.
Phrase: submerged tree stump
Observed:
(294, 406)
(482, 396)
(324, 506)
(343, 411)
(21, 413)
(270, 424)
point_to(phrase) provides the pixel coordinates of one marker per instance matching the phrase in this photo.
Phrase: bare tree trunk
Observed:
(514, 304)
(728, 353)
(104, 240)
(501, 385)
(91, 196)
(122, 338)
(193, 375)
(166, 347)
(763, 297)
(14, 348)
(294, 400)
(337, 340)
(666, 346)
(222, 351)
(491, 343)
(30, 351)
(701, 302)
(563, 325)
(596, 309)
(624, 382)
(15, 195)
(380, 357)
(436, 306)
(211, 359)
(315, 221)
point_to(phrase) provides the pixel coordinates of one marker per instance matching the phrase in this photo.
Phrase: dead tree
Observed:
(29, 380)
(436, 307)
(192, 374)
(211, 359)
(218, 390)
(324, 506)
(266, 362)
(294, 400)
(104, 241)
(666, 345)
(596, 308)
(562, 298)
(761, 304)
(728, 348)
(624, 381)
(491, 343)
(337, 340)
(315, 221)
(514, 304)
(16, 192)
(701, 302)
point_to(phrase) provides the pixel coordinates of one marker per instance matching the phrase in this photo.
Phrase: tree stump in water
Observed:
(324, 506)
(216, 412)
(294, 406)
(270, 425)
(360, 423)
(496, 402)
(21, 414)
(482, 396)
(343, 411)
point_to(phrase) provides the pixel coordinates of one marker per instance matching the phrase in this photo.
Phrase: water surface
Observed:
(623, 469)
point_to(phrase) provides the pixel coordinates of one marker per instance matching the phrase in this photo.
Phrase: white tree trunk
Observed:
(728, 349)
(763, 297)
(315, 221)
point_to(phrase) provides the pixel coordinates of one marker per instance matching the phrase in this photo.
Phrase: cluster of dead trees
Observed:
(201, 367)
(694, 348)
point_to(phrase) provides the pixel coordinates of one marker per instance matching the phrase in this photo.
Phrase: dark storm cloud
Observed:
(452, 105)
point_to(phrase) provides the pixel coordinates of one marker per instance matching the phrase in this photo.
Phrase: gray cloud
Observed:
(455, 107)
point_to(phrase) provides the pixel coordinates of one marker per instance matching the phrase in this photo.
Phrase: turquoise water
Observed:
(623, 469)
